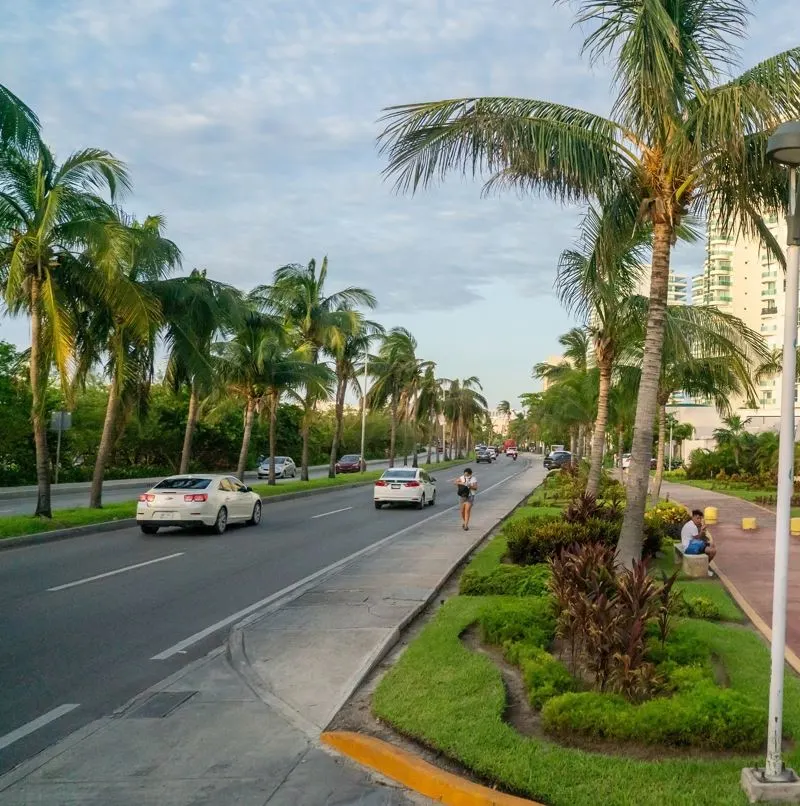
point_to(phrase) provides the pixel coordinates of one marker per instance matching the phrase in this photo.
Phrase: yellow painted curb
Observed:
(416, 774)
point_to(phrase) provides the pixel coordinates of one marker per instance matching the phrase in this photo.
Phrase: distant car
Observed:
(197, 500)
(349, 464)
(405, 485)
(492, 452)
(483, 456)
(626, 461)
(285, 468)
(557, 459)
(511, 451)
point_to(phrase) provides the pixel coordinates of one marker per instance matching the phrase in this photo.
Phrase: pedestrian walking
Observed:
(466, 486)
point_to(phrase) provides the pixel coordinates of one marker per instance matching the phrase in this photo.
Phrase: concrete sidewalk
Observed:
(241, 726)
(747, 558)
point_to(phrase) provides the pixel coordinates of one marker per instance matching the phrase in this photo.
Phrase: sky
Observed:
(252, 128)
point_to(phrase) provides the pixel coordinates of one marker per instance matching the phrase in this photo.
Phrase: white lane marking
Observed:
(115, 572)
(332, 512)
(35, 724)
(289, 589)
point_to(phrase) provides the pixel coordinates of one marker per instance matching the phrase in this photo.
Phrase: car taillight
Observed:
(147, 497)
(380, 483)
(196, 497)
(412, 484)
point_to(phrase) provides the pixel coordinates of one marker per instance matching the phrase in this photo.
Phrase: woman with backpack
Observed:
(466, 486)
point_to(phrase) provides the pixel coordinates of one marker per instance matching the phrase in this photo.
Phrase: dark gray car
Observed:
(557, 459)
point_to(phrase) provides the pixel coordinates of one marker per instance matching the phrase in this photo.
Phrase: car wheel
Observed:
(255, 518)
(378, 505)
(148, 529)
(283, 475)
(421, 504)
(294, 472)
(221, 523)
(433, 499)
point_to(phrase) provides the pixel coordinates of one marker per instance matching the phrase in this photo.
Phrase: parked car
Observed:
(198, 500)
(483, 456)
(557, 459)
(405, 485)
(349, 464)
(285, 468)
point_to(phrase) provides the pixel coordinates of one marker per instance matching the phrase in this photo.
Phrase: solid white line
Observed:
(332, 512)
(240, 614)
(115, 572)
(35, 724)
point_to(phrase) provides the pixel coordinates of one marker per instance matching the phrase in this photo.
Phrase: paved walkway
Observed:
(747, 558)
(241, 726)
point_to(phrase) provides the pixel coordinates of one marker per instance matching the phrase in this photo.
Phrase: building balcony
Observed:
(769, 311)
(768, 292)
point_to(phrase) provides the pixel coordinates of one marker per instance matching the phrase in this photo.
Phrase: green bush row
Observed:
(506, 580)
(530, 544)
(529, 621)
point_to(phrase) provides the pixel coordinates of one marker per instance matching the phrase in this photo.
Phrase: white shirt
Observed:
(689, 532)
(470, 482)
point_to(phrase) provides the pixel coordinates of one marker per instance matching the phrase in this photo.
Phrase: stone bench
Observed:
(693, 565)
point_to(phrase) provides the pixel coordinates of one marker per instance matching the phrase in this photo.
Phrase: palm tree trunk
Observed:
(392, 433)
(581, 440)
(273, 438)
(662, 438)
(572, 444)
(106, 444)
(629, 547)
(620, 444)
(38, 405)
(599, 436)
(305, 432)
(341, 389)
(191, 424)
(249, 417)
(431, 436)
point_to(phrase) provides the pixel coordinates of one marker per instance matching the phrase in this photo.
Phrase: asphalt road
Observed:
(23, 502)
(83, 631)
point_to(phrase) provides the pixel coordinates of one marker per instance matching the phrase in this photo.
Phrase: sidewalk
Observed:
(241, 726)
(747, 558)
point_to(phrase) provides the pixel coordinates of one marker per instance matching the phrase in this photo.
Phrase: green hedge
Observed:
(506, 580)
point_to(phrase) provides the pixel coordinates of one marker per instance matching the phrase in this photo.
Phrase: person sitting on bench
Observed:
(695, 538)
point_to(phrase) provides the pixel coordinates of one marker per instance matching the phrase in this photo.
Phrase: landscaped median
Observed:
(12, 526)
(572, 685)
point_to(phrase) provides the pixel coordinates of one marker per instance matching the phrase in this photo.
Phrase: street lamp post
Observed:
(783, 147)
(364, 414)
(671, 423)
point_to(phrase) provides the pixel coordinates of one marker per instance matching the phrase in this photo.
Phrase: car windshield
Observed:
(400, 475)
(349, 458)
(183, 484)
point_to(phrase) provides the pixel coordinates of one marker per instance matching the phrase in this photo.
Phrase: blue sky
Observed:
(252, 127)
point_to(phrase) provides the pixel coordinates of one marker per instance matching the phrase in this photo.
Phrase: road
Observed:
(90, 622)
(22, 501)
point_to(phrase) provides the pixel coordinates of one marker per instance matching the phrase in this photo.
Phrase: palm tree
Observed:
(392, 370)
(464, 403)
(429, 407)
(51, 218)
(732, 435)
(595, 278)
(18, 124)
(678, 141)
(285, 372)
(318, 321)
(146, 260)
(196, 310)
(346, 356)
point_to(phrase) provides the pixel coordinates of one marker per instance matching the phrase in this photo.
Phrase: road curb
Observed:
(127, 523)
(417, 774)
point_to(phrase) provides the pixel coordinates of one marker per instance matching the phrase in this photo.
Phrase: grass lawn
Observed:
(19, 525)
(453, 700)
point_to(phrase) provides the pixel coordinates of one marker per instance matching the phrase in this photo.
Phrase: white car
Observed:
(626, 461)
(285, 468)
(405, 485)
(492, 452)
(198, 500)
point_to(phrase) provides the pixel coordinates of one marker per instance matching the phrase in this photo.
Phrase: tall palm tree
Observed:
(429, 407)
(464, 404)
(392, 370)
(595, 279)
(18, 124)
(318, 320)
(146, 260)
(51, 218)
(196, 310)
(347, 355)
(677, 141)
(732, 435)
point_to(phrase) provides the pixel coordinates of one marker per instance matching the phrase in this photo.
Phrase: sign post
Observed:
(60, 421)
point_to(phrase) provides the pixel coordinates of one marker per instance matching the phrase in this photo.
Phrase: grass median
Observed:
(23, 525)
(732, 488)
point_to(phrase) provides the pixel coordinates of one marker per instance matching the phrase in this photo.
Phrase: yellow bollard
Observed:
(749, 524)
(710, 515)
(794, 526)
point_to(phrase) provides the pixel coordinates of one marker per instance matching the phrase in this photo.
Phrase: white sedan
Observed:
(285, 468)
(198, 500)
(405, 485)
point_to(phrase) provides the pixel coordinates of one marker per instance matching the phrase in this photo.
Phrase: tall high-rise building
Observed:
(677, 286)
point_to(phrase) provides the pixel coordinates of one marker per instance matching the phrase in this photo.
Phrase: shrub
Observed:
(698, 607)
(531, 544)
(704, 716)
(543, 675)
(505, 622)
(506, 580)
(663, 522)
